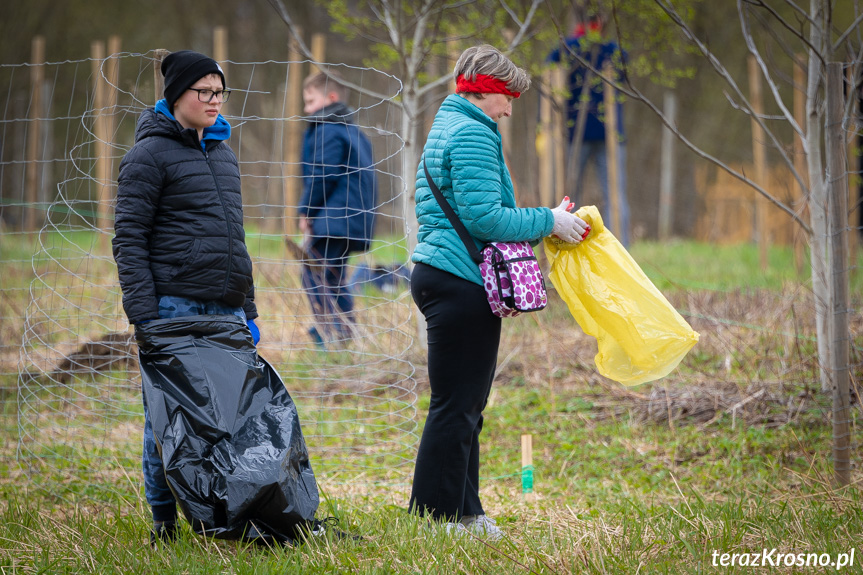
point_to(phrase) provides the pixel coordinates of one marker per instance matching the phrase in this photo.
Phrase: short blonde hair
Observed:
(326, 83)
(488, 60)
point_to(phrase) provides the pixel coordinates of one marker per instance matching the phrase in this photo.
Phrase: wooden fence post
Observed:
(100, 153)
(220, 48)
(158, 79)
(105, 77)
(545, 144)
(666, 181)
(612, 145)
(292, 135)
(558, 135)
(34, 133)
(759, 159)
(319, 50)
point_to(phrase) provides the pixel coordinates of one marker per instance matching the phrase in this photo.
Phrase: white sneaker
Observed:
(456, 529)
(482, 525)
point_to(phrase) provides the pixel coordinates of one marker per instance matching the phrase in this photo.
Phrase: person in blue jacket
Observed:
(337, 209)
(178, 239)
(589, 44)
(465, 159)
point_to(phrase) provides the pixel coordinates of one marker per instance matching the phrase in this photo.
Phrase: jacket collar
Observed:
(456, 103)
(336, 113)
(216, 133)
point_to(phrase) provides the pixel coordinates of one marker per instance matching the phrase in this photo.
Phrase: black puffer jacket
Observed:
(179, 221)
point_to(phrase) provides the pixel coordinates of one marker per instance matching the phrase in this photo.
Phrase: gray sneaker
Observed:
(456, 529)
(483, 526)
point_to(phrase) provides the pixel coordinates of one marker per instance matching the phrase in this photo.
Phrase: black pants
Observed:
(463, 339)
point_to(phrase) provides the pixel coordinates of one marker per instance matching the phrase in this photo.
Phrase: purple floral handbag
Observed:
(512, 278)
(510, 273)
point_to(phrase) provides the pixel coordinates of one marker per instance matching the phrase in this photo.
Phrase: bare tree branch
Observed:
(723, 72)
(774, 89)
(433, 85)
(638, 95)
(522, 26)
(790, 51)
(799, 34)
(800, 11)
(848, 31)
(386, 19)
(420, 28)
(628, 89)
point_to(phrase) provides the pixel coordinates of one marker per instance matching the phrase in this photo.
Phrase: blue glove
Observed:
(256, 333)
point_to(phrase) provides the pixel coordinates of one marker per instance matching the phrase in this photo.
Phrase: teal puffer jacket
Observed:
(464, 157)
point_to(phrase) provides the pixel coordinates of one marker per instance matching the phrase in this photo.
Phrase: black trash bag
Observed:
(227, 430)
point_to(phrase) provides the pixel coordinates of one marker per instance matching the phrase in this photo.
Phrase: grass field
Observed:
(730, 454)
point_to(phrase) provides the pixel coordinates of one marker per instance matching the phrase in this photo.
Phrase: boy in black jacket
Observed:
(179, 241)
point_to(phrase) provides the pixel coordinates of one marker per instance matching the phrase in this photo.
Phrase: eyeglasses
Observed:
(206, 95)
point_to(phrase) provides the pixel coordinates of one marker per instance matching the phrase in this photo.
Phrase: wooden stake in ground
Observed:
(37, 78)
(527, 467)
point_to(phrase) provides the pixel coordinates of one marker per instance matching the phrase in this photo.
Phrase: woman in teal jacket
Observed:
(464, 157)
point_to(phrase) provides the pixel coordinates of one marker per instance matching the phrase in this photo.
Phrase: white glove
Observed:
(568, 227)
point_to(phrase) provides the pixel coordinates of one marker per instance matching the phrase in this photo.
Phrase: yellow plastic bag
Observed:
(640, 336)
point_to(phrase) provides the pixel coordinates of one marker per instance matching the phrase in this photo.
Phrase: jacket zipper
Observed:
(227, 222)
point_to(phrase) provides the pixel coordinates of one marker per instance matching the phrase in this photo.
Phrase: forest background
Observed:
(729, 453)
(256, 34)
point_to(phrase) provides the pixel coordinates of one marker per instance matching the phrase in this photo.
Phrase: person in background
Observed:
(337, 209)
(588, 42)
(465, 159)
(179, 241)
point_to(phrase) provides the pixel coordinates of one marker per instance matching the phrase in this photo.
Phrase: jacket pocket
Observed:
(187, 260)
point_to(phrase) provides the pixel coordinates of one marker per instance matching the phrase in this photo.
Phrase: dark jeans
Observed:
(324, 281)
(159, 495)
(463, 340)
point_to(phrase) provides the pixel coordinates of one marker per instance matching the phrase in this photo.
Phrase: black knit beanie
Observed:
(184, 68)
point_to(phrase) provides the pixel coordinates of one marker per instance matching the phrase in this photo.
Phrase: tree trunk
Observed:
(411, 121)
(838, 218)
(818, 245)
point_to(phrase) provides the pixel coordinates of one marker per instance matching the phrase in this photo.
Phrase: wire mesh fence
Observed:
(69, 386)
(68, 360)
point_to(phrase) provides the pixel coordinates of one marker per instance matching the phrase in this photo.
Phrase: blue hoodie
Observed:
(219, 131)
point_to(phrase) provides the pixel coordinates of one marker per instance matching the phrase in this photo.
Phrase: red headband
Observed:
(483, 84)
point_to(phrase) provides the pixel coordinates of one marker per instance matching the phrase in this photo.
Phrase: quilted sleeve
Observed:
(478, 187)
(139, 188)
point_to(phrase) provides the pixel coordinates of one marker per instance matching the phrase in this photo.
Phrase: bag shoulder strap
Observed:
(453, 218)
